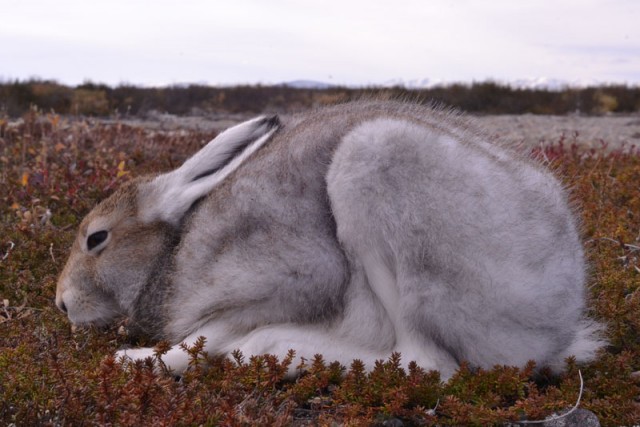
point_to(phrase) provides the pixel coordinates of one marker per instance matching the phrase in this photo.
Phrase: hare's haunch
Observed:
(351, 231)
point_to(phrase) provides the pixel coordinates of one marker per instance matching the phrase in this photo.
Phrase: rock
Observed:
(578, 418)
(393, 422)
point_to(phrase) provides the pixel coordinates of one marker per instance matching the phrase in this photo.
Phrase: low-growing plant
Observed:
(488, 97)
(54, 169)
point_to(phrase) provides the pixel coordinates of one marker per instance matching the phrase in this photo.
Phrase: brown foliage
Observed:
(53, 170)
(484, 98)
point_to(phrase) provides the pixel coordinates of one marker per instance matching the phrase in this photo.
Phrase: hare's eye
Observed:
(96, 239)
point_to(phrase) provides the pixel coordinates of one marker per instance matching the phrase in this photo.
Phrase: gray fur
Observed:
(353, 231)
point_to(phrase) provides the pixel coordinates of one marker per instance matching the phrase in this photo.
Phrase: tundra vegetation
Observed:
(54, 169)
(94, 99)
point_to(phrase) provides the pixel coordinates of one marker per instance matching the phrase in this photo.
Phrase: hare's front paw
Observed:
(132, 354)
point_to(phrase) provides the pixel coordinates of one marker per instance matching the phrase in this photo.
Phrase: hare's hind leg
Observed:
(363, 331)
(366, 185)
(412, 344)
(306, 341)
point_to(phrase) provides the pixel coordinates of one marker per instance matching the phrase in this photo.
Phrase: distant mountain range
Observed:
(542, 83)
(308, 84)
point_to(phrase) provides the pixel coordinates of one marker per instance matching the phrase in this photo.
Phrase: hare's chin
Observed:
(101, 322)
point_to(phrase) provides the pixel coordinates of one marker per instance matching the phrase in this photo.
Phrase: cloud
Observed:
(156, 42)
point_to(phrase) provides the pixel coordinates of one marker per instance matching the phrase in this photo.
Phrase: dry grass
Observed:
(52, 171)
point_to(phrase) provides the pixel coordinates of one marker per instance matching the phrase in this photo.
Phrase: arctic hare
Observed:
(352, 231)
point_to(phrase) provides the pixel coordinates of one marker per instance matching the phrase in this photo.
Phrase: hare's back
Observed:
(475, 241)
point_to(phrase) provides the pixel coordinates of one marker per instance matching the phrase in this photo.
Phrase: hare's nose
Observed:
(61, 306)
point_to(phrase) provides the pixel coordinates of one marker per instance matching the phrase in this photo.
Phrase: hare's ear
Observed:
(169, 196)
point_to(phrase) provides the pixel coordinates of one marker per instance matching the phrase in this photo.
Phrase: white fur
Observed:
(357, 231)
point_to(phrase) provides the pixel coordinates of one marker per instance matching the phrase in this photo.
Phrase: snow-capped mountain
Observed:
(541, 83)
(308, 84)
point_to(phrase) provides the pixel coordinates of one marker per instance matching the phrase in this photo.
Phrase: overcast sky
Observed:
(163, 42)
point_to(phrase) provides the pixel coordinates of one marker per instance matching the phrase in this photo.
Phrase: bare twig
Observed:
(631, 247)
(566, 414)
(11, 246)
(46, 216)
(432, 412)
(629, 259)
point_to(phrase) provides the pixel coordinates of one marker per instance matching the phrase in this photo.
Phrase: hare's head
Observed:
(114, 254)
(125, 240)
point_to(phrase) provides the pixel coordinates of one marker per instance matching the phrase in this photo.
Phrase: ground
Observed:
(52, 171)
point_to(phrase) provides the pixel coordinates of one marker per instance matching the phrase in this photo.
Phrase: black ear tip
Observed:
(272, 122)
